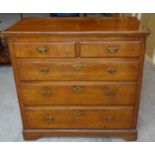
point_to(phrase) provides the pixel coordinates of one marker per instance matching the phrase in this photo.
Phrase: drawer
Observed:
(92, 118)
(77, 70)
(75, 93)
(110, 49)
(38, 50)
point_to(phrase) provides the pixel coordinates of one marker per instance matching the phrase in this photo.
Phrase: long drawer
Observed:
(75, 93)
(77, 70)
(110, 49)
(44, 50)
(92, 118)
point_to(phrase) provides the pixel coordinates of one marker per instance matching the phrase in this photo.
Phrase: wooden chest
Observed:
(78, 76)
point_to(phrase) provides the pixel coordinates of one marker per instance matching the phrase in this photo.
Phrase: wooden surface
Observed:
(47, 50)
(66, 70)
(77, 24)
(82, 93)
(110, 49)
(76, 85)
(82, 118)
(32, 134)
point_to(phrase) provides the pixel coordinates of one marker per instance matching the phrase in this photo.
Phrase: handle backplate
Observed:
(49, 119)
(46, 94)
(109, 118)
(44, 70)
(112, 50)
(112, 71)
(77, 89)
(78, 113)
(77, 67)
(110, 93)
(42, 50)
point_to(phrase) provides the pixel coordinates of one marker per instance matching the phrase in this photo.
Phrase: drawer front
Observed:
(78, 94)
(53, 50)
(110, 49)
(97, 118)
(73, 70)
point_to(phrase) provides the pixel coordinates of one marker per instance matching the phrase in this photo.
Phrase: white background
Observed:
(77, 6)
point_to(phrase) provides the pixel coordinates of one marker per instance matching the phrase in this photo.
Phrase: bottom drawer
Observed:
(75, 117)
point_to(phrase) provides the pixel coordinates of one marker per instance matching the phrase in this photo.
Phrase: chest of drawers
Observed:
(78, 76)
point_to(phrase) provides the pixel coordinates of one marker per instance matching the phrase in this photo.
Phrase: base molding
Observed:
(33, 134)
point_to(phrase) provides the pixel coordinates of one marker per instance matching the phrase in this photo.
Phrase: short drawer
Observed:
(78, 94)
(71, 118)
(110, 49)
(53, 50)
(78, 70)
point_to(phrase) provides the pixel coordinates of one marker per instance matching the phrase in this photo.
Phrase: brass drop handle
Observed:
(44, 70)
(49, 119)
(110, 94)
(42, 50)
(112, 70)
(77, 67)
(77, 89)
(112, 50)
(78, 113)
(47, 94)
(109, 118)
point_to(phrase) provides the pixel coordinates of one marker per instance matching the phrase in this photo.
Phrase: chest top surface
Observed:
(77, 25)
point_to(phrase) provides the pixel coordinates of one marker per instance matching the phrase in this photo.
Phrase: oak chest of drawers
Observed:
(78, 76)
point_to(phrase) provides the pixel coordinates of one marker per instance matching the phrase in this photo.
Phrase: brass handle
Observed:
(112, 50)
(49, 119)
(44, 70)
(78, 113)
(112, 70)
(47, 94)
(109, 118)
(110, 93)
(42, 50)
(77, 89)
(77, 67)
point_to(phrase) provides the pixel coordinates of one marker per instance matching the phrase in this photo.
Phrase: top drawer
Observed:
(110, 49)
(53, 50)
